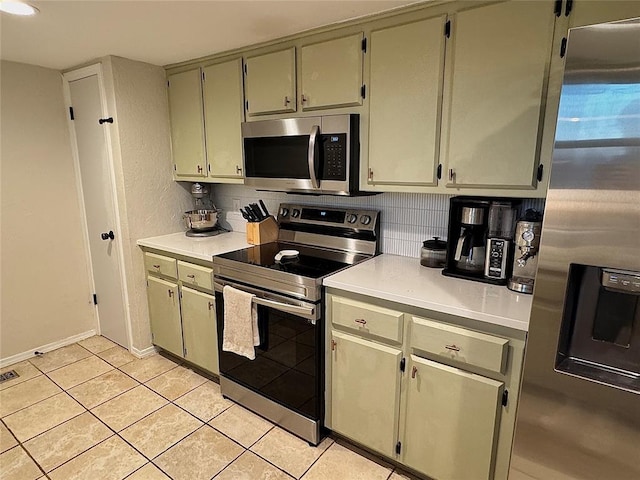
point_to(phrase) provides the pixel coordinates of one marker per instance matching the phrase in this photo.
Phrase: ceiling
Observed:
(68, 33)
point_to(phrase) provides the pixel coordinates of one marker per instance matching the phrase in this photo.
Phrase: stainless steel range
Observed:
(285, 382)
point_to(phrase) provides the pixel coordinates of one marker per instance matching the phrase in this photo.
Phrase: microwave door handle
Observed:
(312, 156)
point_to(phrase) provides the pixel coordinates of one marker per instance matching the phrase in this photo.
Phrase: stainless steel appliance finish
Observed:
(525, 264)
(319, 155)
(570, 427)
(502, 217)
(200, 219)
(285, 382)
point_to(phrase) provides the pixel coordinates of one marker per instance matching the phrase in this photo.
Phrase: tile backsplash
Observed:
(407, 219)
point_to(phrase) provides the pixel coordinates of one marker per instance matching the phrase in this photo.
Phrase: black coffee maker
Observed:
(467, 240)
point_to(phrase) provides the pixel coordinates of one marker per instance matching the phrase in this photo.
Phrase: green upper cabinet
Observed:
(451, 419)
(494, 97)
(406, 75)
(187, 124)
(331, 73)
(223, 114)
(270, 82)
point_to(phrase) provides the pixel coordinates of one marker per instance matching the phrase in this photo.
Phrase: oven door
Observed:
(288, 368)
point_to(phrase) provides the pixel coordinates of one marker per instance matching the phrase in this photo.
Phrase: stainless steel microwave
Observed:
(318, 155)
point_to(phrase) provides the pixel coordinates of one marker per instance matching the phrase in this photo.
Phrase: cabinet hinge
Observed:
(563, 47)
(557, 8)
(184, 352)
(175, 169)
(95, 299)
(540, 170)
(505, 398)
(439, 172)
(203, 76)
(209, 168)
(168, 83)
(71, 113)
(245, 68)
(398, 447)
(447, 29)
(568, 7)
(402, 364)
(363, 91)
(364, 45)
(246, 105)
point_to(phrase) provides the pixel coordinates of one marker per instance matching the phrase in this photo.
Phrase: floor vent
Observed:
(8, 375)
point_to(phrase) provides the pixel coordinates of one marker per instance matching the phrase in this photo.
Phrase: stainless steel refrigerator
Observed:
(579, 413)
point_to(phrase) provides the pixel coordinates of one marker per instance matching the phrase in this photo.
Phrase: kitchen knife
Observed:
(250, 214)
(257, 212)
(264, 207)
(244, 215)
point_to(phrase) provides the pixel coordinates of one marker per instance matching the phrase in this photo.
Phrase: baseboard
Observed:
(45, 348)
(144, 352)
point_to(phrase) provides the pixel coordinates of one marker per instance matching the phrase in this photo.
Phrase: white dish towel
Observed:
(240, 333)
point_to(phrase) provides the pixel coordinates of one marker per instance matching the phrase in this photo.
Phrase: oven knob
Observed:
(352, 218)
(365, 220)
(284, 212)
(295, 213)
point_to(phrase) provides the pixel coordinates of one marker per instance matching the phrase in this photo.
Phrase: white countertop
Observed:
(195, 247)
(404, 280)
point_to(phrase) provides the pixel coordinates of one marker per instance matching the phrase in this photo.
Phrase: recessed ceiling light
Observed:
(17, 8)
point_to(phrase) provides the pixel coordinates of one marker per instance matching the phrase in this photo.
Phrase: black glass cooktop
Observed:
(311, 262)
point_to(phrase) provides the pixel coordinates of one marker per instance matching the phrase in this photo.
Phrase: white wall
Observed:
(45, 287)
(149, 201)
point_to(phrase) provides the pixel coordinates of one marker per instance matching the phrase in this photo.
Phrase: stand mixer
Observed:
(202, 221)
(525, 264)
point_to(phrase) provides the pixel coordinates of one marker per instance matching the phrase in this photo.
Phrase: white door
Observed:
(99, 207)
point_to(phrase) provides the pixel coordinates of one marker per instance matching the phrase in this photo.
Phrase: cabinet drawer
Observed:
(459, 344)
(367, 319)
(195, 275)
(160, 264)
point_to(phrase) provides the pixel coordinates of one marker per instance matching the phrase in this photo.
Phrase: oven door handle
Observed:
(313, 156)
(285, 307)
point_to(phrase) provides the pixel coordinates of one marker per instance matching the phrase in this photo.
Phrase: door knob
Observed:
(108, 236)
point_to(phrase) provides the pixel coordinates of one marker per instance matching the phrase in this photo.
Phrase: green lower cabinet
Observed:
(199, 329)
(451, 421)
(365, 391)
(164, 312)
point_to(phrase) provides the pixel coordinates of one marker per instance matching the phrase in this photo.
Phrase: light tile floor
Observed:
(94, 411)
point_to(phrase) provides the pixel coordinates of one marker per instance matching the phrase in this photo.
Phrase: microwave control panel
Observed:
(334, 156)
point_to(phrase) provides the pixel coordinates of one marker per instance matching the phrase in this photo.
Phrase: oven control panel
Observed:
(359, 219)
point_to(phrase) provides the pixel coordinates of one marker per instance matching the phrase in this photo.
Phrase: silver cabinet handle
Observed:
(286, 101)
(453, 348)
(191, 276)
(238, 170)
(361, 321)
(303, 99)
(211, 305)
(414, 370)
(313, 143)
(452, 174)
(170, 293)
(370, 174)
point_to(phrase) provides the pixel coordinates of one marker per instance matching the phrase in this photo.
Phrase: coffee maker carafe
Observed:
(470, 248)
(525, 264)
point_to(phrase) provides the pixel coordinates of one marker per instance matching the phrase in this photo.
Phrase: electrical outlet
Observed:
(236, 204)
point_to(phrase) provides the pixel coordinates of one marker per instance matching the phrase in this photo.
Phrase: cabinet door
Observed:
(187, 124)
(223, 111)
(451, 421)
(270, 82)
(199, 329)
(365, 391)
(407, 64)
(164, 312)
(331, 73)
(499, 61)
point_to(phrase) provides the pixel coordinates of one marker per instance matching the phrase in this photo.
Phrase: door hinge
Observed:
(363, 91)
(364, 44)
(447, 29)
(402, 364)
(95, 299)
(568, 7)
(439, 172)
(71, 113)
(557, 8)
(563, 47)
(505, 398)
(398, 448)
(540, 170)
